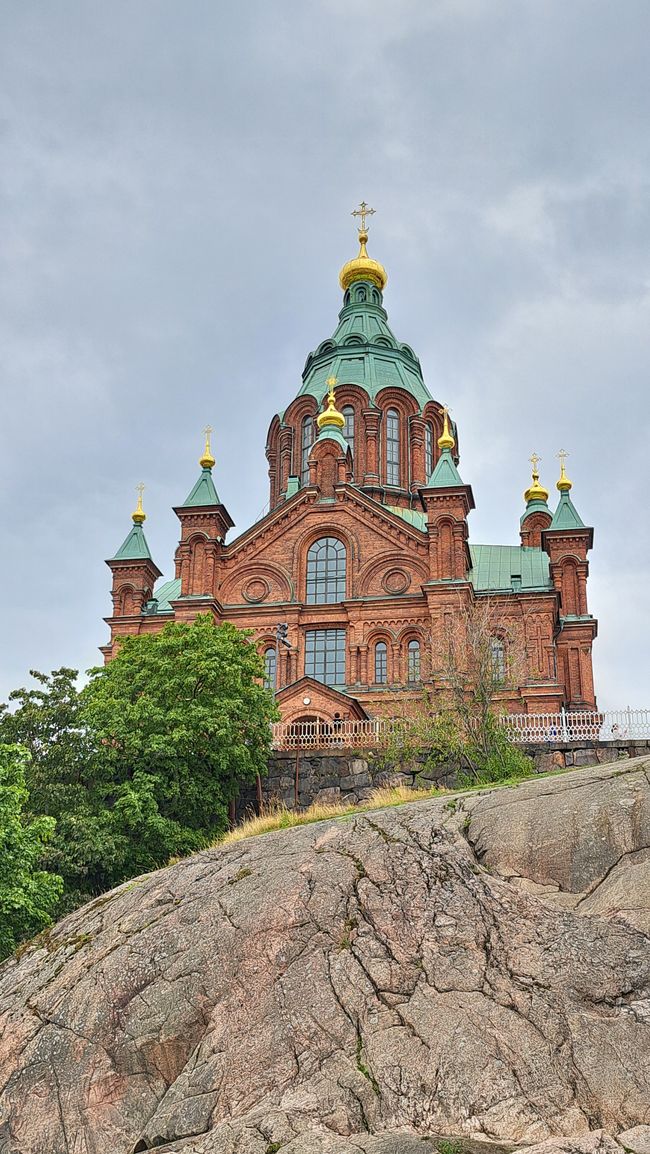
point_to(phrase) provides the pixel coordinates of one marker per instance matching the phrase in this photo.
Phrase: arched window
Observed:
(381, 663)
(348, 428)
(413, 662)
(428, 450)
(326, 572)
(498, 657)
(269, 667)
(392, 447)
(306, 444)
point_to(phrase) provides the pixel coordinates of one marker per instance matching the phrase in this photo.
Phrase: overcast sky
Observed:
(176, 182)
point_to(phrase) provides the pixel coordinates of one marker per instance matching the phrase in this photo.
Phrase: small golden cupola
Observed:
(330, 417)
(563, 484)
(139, 515)
(363, 267)
(445, 440)
(207, 461)
(535, 491)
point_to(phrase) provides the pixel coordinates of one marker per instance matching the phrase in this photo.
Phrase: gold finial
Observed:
(331, 415)
(139, 516)
(445, 441)
(564, 484)
(363, 267)
(207, 461)
(535, 492)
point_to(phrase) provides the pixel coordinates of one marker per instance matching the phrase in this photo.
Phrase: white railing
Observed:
(523, 728)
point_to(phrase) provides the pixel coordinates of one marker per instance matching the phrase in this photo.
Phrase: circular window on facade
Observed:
(396, 581)
(256, 590)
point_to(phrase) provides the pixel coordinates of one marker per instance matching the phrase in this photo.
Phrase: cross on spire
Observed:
(562, 456)
(140, 490)
(363, 211)
(534, 460)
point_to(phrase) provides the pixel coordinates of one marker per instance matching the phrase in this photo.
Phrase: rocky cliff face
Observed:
(476, 968)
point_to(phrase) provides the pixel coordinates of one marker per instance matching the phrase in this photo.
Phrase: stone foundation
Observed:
(297, 781)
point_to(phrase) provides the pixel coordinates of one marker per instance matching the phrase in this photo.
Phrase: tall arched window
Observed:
(381, 663)
(348, 428)
(326, 571)
(498, 656)
(428, 450)
(392, 447)
(305, 445)
(269, 667)
(413, 673)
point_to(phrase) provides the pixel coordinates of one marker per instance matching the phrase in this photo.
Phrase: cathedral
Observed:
(354, 581)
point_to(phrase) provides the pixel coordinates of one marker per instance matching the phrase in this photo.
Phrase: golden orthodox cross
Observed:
(534, 460)
(140, 490)
(363, 211)
(562, 455)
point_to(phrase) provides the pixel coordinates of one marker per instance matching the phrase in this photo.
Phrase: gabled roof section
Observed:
(445, 475)
(204, 492)
(134, 547)
(566, 515)
(167, 592)
(509, 569)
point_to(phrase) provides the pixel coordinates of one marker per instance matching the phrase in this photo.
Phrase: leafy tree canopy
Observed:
(28, 894)
(143, 762)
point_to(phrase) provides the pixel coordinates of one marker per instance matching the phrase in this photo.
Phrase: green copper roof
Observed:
(204, 492)
(508, 568)
(415, 517)
(566, 515)
(445, 475)
(134, 548)
(363, 351)
(168, 591)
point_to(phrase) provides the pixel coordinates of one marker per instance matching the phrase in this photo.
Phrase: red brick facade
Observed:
(409, 566)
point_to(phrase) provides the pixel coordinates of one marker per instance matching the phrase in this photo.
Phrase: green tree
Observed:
(28, 894)
(47, 720)
(180, 722)
(142, 763)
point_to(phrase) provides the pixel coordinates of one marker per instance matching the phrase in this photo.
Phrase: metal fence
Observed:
(523, 728)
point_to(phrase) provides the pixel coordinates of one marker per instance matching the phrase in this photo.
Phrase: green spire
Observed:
(445, 475)
(566, 515)
(204, 492)
(134, 547)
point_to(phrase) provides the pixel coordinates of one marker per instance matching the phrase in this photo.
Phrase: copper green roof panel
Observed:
(134, 548)
(508, 568)
(566, 515)
(168, 591)
(330, 433)
(364, 351)
(414, 517)
(445, 475)
(204, 492)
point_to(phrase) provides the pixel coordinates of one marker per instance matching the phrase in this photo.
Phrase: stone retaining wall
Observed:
(349, 777)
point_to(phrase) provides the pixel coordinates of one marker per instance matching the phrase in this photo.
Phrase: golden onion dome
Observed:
(564, 484)
(331, 415)
(207, 461)
(139, 515)
(535, 492)
(363, 267)
(445, 440)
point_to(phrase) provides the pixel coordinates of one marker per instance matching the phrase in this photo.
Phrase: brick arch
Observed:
(385, 561)
(275, 575)
(407, 634)
(126, 601)
(570, 585)
(377, 635)
(444, 546)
